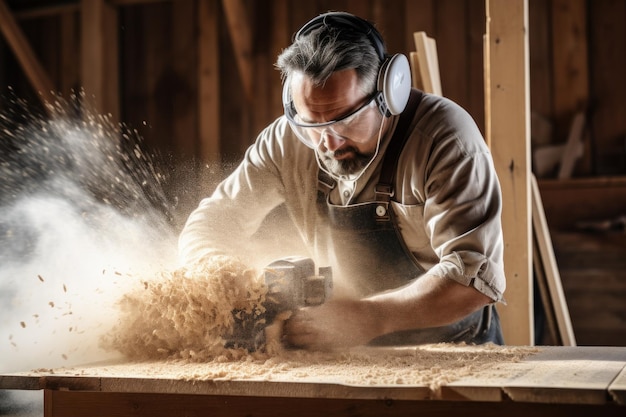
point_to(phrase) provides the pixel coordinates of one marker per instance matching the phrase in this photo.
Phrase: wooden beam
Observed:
(209, 81)
(426, 64)
(46, 11)
(508, 118)
(99, 56)
(552, 292)
(241, 37)
(25, 55)
(570, 62)
(69, 53)
(281, 36)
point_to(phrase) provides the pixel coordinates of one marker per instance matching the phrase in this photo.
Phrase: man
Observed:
(394, 188)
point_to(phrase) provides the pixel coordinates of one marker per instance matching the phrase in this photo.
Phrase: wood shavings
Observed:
(431, 366)
(186, 313)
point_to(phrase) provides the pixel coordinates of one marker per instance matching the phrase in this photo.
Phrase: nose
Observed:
(331, 140)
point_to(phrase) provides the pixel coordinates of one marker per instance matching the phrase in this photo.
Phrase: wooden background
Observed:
(576, 48)
(199, 87)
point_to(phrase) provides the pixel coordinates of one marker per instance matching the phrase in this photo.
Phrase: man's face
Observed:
(348, 144)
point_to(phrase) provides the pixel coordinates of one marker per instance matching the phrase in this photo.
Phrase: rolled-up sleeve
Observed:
(453, 178)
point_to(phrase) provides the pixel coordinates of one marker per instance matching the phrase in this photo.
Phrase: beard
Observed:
(346, 166)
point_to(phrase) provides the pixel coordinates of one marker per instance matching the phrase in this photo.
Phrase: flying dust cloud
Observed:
(82, 215)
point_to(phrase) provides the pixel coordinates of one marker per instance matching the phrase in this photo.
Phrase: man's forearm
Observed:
(429, 301)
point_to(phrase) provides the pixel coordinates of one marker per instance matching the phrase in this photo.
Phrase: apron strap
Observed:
(384, 187)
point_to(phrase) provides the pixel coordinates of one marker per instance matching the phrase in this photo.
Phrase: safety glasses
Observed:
(360, 125)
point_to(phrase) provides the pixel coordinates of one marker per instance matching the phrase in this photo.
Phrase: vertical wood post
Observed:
(25, 55)
(508, 130)
(99, 56)
(209, 80)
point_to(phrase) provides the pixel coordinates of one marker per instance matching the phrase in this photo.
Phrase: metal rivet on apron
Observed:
(346, 193)
(381, 211)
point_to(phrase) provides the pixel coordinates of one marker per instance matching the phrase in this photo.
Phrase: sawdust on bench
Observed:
(173, 327)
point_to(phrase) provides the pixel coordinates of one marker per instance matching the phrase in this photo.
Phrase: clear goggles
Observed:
(360, 126)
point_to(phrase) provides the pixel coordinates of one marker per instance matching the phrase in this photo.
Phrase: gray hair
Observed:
(328, 49)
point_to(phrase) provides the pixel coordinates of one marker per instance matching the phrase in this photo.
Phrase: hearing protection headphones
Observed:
(394, 73)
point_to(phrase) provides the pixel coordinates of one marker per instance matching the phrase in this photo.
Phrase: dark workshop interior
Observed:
(195, 79)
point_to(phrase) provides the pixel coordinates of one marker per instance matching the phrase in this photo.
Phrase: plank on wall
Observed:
(239, 25)
(569, 56)
(184, 67)
(279, 40)
(608, 66)
(99, 56)
(475, 57)
(208, 81)
(391, 28)
(264, 74)
(452, 47)
(540, 48)
(70, 53)
(509, 116)
(420, 17)
(20, 46)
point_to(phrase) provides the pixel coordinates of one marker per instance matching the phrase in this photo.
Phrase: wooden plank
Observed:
(70, 53)
(427, 64)
(99, 56)
(509, 136)
(593, 272)
(264, 70)
(569, 62)
(580, 375)
(184, 69)
(452, 49)
(568, 202)
(487, 85)
(419, 17)
(557, 375)
(558, 304)
(607, 64)
(416, 76)
(209, 81)
(281, 37)
(541, 82)
(617, 389)
(46, 11)
(387, 17)
(25, 55)
(574, 147)
(241, 37)
(475, 67)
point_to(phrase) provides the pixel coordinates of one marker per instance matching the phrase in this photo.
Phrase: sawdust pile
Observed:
(186, 313)
(431, 366)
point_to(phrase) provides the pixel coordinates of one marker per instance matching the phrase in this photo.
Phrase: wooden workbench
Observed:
(544, 381)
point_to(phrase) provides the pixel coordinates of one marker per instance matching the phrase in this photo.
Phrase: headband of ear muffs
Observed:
(394, 74)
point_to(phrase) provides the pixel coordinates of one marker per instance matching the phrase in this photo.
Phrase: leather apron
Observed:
(370, 251)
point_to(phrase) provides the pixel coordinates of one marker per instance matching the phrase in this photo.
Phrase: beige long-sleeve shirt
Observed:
(447, 197)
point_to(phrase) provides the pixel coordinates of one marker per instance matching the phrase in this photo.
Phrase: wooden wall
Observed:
(159, 41)
(577, 61)
(576, 46)
(183, 87)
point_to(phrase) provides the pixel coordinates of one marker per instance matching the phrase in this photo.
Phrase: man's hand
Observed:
(426, 302)
(336, 324)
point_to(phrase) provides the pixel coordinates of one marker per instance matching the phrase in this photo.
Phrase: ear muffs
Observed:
(394, 74)
(394, 84)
